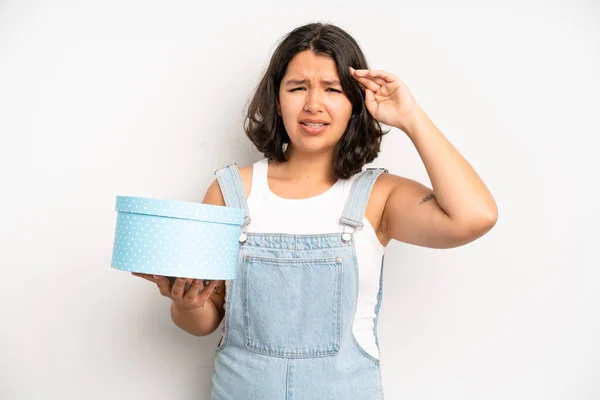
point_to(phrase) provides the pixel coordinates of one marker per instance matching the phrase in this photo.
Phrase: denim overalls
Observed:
(290, 311)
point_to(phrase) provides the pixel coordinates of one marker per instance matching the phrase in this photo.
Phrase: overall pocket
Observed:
(292, 307)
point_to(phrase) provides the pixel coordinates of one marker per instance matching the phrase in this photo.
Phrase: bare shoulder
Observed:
(389, 184)
(215, 196)
(386, 183)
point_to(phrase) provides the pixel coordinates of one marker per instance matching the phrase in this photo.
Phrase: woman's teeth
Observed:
(313, 125)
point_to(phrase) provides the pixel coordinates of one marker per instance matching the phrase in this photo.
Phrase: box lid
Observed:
(180, 209)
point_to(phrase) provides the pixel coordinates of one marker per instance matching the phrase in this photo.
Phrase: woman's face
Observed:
(314, 109)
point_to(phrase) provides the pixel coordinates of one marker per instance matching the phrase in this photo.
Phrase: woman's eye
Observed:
(331, 89)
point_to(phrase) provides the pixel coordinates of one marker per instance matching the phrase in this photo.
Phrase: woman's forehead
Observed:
(308, 63)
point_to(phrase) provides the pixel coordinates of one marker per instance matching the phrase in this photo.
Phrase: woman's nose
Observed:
(314, 102)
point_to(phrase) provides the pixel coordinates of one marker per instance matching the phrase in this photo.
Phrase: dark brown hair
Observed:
(360, 143)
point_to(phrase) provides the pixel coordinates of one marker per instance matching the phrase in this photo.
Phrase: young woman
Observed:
(300, 320)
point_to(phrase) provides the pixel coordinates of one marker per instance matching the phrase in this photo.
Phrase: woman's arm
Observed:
(460, 208)
(202, 321)
(457, 211)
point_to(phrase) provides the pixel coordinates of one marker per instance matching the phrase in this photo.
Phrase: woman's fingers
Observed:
(376, 74)
(379, 77)
(366, 80)
(191, 294)
(197, 294)
(183, 290)
(178, 288)
(148, 277)
(379, 81)
(163, 284)
(207, 291)
(368, 83)
(161, 281)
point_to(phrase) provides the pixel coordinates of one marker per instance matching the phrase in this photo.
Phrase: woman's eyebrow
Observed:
(305, 81)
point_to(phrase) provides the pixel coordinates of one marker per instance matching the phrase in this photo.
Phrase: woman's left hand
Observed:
(386, 97)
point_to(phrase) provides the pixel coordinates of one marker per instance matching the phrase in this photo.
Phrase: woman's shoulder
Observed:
(215, 196)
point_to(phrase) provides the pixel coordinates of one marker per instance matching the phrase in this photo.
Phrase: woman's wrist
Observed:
(197, 320)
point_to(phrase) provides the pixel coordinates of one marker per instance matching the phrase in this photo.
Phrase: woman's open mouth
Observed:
(313, 129)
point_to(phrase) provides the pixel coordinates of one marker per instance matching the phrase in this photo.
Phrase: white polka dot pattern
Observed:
(176, 238)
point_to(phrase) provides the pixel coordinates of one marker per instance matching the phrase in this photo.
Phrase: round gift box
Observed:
(176, 238)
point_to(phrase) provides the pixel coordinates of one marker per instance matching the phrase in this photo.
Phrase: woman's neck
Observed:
(303, 167)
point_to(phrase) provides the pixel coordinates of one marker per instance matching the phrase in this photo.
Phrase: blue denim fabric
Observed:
(290, 311)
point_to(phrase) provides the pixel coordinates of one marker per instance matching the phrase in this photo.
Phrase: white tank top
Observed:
(320, 214)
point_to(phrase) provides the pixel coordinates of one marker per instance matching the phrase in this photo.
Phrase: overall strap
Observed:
(230, 182)
(358, 198)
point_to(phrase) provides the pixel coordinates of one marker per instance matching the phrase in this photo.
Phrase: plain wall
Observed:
(99, 99)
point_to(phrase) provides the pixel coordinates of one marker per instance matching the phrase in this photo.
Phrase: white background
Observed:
(147, 99)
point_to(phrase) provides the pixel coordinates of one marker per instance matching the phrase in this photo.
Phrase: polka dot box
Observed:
(176, 238)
